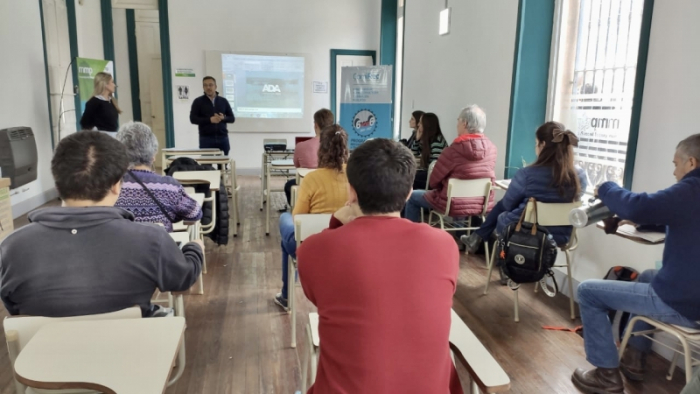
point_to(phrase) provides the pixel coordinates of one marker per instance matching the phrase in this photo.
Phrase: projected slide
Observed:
(259, 86)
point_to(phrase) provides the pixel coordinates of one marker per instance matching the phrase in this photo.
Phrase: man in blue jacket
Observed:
(211, 112)
(671, 294)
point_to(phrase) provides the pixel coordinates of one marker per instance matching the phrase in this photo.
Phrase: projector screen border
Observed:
(213, 67)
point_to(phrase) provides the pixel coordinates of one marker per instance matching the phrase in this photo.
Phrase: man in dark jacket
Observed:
(670, 294)
(88, 257)
(211, 112)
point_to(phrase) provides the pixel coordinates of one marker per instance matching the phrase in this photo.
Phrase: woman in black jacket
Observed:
(101, 111)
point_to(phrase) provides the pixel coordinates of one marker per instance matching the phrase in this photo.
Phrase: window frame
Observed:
(643, 52)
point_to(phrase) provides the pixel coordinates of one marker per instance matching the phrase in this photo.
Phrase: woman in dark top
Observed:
(553, 178)
(413, 123)
(427, 147)
(101, 111)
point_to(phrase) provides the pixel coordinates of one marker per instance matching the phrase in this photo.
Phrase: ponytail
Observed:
(333, 152)
(558, 153)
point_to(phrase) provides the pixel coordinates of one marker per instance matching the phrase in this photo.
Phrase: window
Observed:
(595, 54)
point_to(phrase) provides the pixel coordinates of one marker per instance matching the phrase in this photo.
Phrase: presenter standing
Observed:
(211, 113)
(101, 111)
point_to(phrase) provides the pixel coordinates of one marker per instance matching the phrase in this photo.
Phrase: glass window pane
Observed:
(594, 89)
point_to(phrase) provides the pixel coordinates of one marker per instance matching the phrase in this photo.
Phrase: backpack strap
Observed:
(522, 216)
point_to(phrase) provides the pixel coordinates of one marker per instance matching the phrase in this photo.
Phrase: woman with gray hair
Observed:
(151, 197)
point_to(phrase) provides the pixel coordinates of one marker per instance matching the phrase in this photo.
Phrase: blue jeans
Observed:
(489, 225)
(215, 141)
(414, 205)
(597, 297)
(289, 247)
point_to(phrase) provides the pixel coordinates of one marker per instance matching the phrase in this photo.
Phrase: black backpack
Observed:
(527, 251)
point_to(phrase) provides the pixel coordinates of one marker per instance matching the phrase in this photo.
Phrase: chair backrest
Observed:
(307, 225)
(466, 188)
(27, 326)
(555, 214)
(293, 196)
(430, 172)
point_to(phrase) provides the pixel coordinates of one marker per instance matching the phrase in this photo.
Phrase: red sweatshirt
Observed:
(383, 287)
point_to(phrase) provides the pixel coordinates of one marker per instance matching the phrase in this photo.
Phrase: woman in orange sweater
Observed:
(322, 191)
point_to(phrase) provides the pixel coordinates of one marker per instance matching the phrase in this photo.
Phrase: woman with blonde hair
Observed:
(101, 111)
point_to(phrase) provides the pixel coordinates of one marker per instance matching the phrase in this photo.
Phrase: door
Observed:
(345, 58)
(147, 46)
(157, 111)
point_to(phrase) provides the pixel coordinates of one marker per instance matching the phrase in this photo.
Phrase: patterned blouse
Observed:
(169, 193)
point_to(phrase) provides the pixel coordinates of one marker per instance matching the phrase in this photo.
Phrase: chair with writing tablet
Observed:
(305, 225)
(461, 188)
(19, 330)
(548, 215)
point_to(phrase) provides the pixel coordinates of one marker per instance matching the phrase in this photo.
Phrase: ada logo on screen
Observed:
(364, 123)
(271, 89)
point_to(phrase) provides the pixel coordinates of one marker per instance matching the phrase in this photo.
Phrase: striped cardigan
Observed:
(169, 193)
(436, 148)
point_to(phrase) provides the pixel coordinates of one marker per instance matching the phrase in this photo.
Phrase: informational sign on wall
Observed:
(365, 104)
(183, 92)
(184, 72)
(87, 69)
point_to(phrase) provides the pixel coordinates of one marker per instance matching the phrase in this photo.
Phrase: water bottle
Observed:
(587, 215)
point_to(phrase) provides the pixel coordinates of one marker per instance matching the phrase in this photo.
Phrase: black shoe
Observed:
(472, 242)
(599, 381)
(633, 363)
(281, 301)
(283, 209)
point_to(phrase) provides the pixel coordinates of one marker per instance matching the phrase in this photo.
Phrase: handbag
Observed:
(527, 252)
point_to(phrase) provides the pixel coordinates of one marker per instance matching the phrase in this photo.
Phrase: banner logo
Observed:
(271, 89)
(364, 123)
(85, 70)
(372, 75)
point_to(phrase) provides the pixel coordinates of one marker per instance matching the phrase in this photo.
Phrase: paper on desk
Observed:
(503, 183)
(631, 231)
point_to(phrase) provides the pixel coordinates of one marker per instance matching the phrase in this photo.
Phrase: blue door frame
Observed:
(344, 52)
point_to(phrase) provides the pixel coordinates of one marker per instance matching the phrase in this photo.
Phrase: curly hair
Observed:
(333, 151)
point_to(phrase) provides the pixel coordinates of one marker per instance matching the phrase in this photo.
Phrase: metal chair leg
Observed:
(571, 284)
(291, 304)
(674, 360)
(474, 388)
(517, 314)
(491, 264)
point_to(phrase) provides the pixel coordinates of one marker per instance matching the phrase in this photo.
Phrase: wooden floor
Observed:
(238, 339)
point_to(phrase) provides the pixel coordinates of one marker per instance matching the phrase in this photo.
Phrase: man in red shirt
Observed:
(383, 285)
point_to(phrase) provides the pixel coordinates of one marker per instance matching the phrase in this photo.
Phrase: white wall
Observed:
(60, 77)
(473, 64)
(309, 26)
(24, 102)
(88, 20)
(121, 65)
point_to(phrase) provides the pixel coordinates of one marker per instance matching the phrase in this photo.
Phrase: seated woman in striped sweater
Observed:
(427, 147)
(322, 191)
(151, 197)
